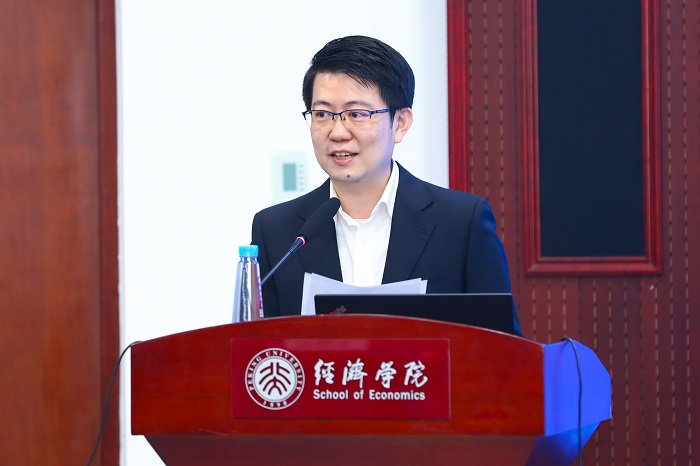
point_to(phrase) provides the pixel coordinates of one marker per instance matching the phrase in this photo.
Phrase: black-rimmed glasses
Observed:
(325, 118)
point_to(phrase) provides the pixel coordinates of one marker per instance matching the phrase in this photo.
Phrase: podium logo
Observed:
(275, 378)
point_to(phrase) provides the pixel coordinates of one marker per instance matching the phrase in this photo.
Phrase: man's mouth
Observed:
(343, 155)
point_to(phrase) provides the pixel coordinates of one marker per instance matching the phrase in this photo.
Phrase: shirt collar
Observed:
(388, 196)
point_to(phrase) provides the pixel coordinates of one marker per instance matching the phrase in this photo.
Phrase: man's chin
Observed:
(347, 177)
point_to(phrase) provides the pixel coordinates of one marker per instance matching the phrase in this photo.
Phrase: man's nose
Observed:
(339, 128)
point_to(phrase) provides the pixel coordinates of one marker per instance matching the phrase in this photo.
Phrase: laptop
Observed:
(493, 311)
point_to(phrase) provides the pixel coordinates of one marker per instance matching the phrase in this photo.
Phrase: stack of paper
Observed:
(318, 284)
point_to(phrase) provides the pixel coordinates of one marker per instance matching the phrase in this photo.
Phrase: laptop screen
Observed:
(491, 311)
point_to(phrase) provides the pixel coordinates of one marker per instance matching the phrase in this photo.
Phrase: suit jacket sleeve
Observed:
(486, 265)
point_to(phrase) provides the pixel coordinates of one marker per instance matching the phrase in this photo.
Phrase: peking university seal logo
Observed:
(274, 378)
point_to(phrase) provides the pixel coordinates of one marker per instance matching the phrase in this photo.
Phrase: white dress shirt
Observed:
(363, 243)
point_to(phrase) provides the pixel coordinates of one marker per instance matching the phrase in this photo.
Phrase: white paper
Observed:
(318, 284)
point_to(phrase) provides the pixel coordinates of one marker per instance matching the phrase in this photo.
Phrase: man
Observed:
(391, 226)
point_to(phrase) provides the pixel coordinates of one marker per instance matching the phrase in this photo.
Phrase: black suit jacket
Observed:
(446, 237)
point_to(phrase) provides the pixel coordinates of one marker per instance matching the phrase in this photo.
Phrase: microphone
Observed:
(312, 227)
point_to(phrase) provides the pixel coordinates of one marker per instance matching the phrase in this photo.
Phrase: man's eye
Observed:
(321, 114)
(359, 114)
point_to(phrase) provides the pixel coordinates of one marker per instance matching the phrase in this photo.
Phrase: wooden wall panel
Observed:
(691, 186)
(646, 330)
(109, 336)
(58, 262)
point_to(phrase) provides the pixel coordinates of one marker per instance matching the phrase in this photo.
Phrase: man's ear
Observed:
(403, 119)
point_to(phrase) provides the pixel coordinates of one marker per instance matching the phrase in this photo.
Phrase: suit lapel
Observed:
(410, 228)
(320, 254)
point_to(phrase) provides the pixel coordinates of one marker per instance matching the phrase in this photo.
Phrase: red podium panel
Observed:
(355, 389)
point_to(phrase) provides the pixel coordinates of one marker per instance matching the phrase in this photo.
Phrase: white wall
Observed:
(210, 93)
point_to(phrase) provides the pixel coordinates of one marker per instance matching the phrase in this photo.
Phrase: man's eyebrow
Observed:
(362, 103)
(320, 102)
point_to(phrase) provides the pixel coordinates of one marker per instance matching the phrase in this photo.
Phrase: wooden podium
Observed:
(360, 389)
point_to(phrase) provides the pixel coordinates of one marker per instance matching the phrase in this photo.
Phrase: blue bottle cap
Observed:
(248, 251)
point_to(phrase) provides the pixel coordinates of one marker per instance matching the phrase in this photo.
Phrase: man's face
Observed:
(359, 155)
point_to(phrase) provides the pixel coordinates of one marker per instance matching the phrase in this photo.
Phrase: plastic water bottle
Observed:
(247, 300)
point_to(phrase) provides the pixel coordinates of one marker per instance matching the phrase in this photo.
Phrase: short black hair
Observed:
(370, 62)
